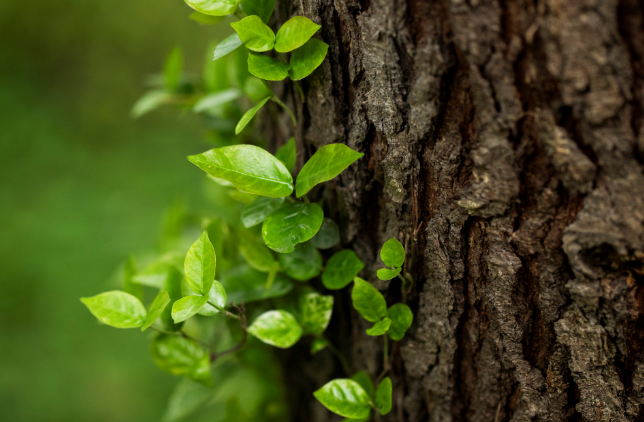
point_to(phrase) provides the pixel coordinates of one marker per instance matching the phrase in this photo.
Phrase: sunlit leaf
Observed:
(227, 45)
(307, 58)
(266, 67)
(392, 253)
(182, 356)
(186, 307)
(304, 263)
(246, 118)
(291, 224)
(294, 33)
(217, 295)
(315, 311)
(326, 163)
(340, 269)
(257, 211)
(328, 236)
(277, 328)
(344, 397)
(383, 396)
(214, 7)
(254, 33)
(200, 265)
(380, 327)
(156, 309)
(401, 319)
(387, 274)
(287, 154)
(116, 309)
(362, 378)
(368, 300)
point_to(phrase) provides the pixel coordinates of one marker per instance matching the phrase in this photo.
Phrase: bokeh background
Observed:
(82, 185)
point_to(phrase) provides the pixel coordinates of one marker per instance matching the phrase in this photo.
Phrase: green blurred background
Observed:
(81, 186)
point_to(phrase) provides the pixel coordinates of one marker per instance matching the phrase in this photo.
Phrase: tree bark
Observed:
(504, 146)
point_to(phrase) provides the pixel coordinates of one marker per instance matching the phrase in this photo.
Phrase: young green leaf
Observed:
(277, 328)
(129, 285)
(380, 327)
(307, 58)
(255, 252)
(246, 118)
(287, 153)
(261, 8)
(116, 309)
(243, 283)
(340, 269)
(393, 253)
(217, 295)
(214, 7)
(187, 306)
(205, 19)
(156, 309)
(227, 45)
(149, 101)
(319, 343)
(291, 224)
(304, 263)
(266, 67)
(315, 311)
(368, 300)
(344, 397)
(326, 163)
(251, 169)
(216, 99)
(182, 356)
(387, 274)
(200, 264)
(362, 378)
(401, 319)
(294, 33)
(172, 285)
(255, 35)
(383, 396)
(257, 211)
(173, 69)
(328, 236)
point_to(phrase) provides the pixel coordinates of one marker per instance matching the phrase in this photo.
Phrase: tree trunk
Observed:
(504, 146)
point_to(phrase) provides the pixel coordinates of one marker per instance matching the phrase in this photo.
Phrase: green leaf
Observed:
(249, 168)
(340, 269)
(129, 285)
(393, 253)
(256, 253)
(216, 99)
(246, 118)
(187, 306)
(383, 396)
(243, 283)
(156, 309)
(255, 89)
(291, 224)
(117, 309)
(326, 163)
(380, 327)
(227, 45)
(257, 211)
(266, 67)
(344, 397)
(307, 58)
(368, 300)
(287, 153)
(154, 275)
(328, 236)
(200, 264)
(387, 274)
(172, 285)
(294, 33)
(304, 263)
(173, 69)
(316, 311)
(362, 378)
(319, 343)
(217, 295)
(150, 101)
(255, 35)
(401, 319)
(261, 8)
(205, 19)
(182, 356)
(277, 328)
(214, 7)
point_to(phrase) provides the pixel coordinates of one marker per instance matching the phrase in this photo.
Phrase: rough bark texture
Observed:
(504, 145)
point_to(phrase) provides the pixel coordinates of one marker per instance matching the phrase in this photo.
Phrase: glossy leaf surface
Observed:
(187, 306)
(392, 253)
(266, 67)
(344, 397)
(368, 300)
(214, 7)
(116, 309)
(304, 263)
(291, 224)
(328, 236)
(257, 211)
(383, 396)
(277, 328)
(227, 45)
(200, 264)
(217, 296)
(307, 58)
(287, 154)
(341, 268)
(251, 169)
(315, 311)
(181, 356)
(156, 309)
(254, 33)
(247, 117)
(326, 163)
(388, 274)
(401, 319)
(261, 8)
(380, 327)
(294, 33)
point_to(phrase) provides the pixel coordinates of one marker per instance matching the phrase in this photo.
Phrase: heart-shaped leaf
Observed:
(182, 356)
(200, 264)
(380, 327)
(254, 33)
(307, 58)
(156, 309)
(294, 33)
(344, 397)
(368, 300)
(393, 253)
(214, 7)
(187, 306)
(251, 169)
(304, 263)
(383, 396)
(315, 311)
(341, 268)
(326, 163)
(116, 309)
(291, 224)
(266, 67)
(401, 319)
(277, 328)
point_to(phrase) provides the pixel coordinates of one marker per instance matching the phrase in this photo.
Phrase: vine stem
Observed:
(223, 311)
(285, 107)
(385, 364)
(242, 321)
(339, 356)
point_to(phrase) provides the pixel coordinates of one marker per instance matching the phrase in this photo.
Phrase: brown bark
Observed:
(504, 145)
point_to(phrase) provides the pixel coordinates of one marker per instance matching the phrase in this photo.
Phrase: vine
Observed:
(293, 229)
